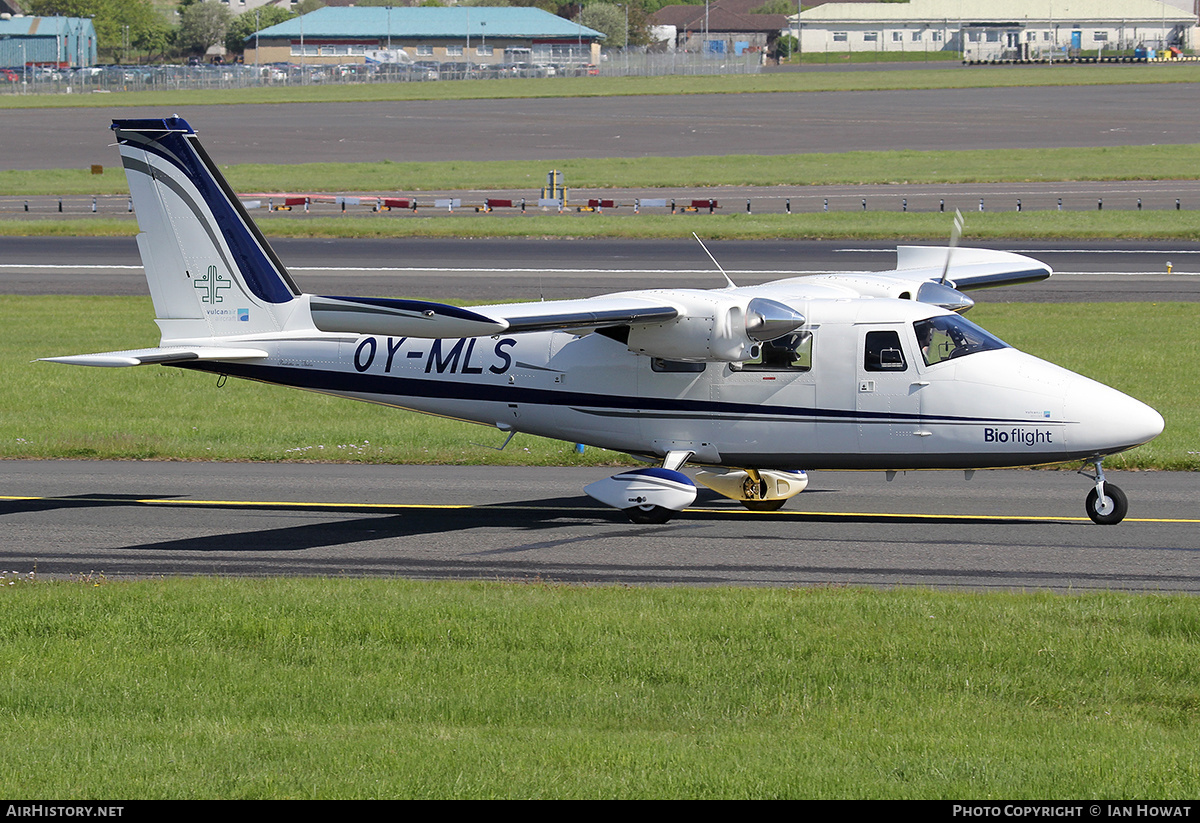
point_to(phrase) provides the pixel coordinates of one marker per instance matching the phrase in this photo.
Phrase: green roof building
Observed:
(475, 34)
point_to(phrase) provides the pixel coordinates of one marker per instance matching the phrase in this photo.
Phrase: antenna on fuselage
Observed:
(732, 285)
(955, 233)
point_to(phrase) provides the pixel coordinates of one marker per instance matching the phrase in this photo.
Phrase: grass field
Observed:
(323, 688)
(165, 413)
(1030, 225)
(1166, 162)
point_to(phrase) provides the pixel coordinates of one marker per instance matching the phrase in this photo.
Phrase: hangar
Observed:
(477, 34)
(62, 42)
(986, 30)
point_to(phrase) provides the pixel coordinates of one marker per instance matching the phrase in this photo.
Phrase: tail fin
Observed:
(211, 272)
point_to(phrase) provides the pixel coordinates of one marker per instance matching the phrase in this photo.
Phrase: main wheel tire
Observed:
(649, 515)
(764, 505)
(1110, 509)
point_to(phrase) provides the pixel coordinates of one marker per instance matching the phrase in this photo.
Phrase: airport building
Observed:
(60, 42)
(475, 34)
(987, 30)
(718, 27)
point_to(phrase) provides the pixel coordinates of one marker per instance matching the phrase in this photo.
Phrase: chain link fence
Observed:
(101, 79)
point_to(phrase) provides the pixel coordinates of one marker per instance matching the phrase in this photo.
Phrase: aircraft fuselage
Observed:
(859, 392)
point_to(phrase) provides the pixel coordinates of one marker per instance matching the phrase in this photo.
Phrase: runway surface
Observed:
(1000, 530)
(528, 269)
(679, 126)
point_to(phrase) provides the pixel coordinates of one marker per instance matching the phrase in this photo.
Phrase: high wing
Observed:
(420, 318)
(917, 276)
(679, 324)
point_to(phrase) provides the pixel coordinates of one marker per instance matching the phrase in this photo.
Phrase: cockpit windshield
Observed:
(950, 335)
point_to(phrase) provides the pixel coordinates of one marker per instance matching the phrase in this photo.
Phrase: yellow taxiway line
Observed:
(159, 501)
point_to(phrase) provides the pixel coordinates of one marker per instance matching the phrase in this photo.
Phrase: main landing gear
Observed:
(653, 496)
(1106, 504)
(648, 496)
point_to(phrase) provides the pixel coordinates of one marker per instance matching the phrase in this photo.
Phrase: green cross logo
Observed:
(210, 285)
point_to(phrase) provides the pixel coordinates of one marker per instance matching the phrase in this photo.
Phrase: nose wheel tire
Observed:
(1109, 509)
(649, 515)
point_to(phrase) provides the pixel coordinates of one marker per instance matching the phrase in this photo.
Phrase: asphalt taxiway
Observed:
(651, 126)
(1008, 530)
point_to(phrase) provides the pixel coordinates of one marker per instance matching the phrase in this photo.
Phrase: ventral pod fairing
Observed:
(754, 385)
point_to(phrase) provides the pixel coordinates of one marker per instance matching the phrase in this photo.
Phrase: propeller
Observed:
(955, 233)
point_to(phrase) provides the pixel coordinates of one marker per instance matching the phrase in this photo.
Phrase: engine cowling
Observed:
(713, 326)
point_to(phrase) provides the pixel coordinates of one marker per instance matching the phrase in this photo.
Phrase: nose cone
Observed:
(1107, 420)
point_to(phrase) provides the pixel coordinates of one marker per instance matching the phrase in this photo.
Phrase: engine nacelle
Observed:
(714, 326)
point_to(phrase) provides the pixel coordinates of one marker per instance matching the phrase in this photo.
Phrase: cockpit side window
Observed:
(950, 336)
(883, 352)
(792, 352)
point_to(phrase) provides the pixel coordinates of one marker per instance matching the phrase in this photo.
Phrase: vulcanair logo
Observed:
(211, 285)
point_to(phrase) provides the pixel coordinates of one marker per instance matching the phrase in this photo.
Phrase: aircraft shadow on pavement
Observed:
(334, 526)
(360, 541)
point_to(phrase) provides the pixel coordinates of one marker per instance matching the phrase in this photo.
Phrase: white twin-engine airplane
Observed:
(873, 370)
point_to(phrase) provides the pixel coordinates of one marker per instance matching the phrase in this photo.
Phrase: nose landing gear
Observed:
(1106, 504)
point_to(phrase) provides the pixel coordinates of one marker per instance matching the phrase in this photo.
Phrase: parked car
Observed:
(425, 70)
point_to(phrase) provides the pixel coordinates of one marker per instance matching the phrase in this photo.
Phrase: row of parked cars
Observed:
(119, 75)
(433, 70)
(237, 74)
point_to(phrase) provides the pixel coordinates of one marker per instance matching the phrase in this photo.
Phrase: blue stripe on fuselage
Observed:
(340, 382)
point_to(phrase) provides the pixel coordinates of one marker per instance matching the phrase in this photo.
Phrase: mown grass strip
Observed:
(772, 83)
(1166, 162)
(878, 225)
(165, 413)
(321, 688)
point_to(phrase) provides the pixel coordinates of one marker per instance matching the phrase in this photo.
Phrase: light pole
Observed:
(625, 47)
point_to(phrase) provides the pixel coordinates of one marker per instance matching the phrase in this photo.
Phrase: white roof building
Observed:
(987, 30)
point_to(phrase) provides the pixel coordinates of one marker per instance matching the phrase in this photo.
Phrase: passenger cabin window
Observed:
(883, 352)
(792, 352)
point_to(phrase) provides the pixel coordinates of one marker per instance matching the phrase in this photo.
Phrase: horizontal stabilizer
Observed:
(157, 356)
